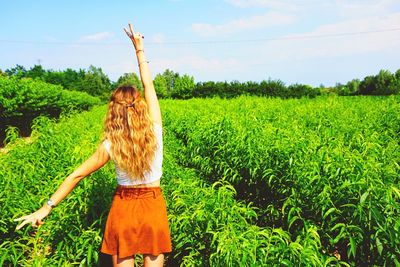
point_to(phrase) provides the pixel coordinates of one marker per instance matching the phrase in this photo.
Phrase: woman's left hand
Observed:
(136, 38)
(35, 218)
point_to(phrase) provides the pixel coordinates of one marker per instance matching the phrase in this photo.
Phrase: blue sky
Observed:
(312, 42)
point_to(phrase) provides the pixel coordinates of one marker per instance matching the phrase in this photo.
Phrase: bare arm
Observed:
(93, 163)
(145, 75)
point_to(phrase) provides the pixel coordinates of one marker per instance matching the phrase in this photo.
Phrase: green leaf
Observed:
(379, 245)
(331, 210)
(353, 247)
(363, 197)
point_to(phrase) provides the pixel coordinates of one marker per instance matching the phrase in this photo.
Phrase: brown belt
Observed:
(138, 192)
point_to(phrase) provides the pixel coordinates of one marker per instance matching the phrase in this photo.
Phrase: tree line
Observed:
(170, 84)
(384, 83)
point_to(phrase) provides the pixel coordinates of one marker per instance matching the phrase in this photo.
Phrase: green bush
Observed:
(22, 100)
(20, 97)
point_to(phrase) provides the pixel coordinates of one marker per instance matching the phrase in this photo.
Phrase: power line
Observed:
(299, 37)
(286, 38)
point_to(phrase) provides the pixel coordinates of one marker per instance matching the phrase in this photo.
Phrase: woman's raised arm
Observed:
(145, 75)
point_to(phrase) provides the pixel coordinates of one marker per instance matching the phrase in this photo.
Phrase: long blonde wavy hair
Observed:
(129, 128)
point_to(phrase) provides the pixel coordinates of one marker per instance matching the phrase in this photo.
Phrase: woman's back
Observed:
(155, 173)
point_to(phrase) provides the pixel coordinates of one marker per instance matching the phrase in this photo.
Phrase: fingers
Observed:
(132, 34)
(21, 218)
(126, 31)
(130, 27)
(21, 225)
(35, 222)
(26, 218)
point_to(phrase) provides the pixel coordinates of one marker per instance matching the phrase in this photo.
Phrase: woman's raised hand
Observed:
(136, 38)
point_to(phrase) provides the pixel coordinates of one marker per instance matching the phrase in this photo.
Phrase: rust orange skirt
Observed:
(137, 223)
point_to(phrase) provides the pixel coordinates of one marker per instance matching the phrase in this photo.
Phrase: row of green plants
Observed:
(208, 226)
(21, 100)
(211, 228)
(23, 97)
(330, 162)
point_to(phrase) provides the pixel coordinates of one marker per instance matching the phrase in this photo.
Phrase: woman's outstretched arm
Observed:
(93, 163)
(145, 75)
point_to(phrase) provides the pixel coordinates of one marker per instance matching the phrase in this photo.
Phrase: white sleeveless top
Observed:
(156, 167)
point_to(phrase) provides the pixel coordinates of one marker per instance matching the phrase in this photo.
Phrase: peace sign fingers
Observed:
(35, 218)
(136, 38)
(130, 35)
(27, 219)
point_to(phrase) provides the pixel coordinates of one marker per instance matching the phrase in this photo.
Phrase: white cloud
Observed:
(389, 21)
(358, 8)
(351, 44)
(255, 22)
(343, 8)
(273, 4)
(100, 36)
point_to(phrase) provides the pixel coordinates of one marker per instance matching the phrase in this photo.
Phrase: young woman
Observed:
(137, 222)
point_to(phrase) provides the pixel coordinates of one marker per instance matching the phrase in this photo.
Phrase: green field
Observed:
(250, 181)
